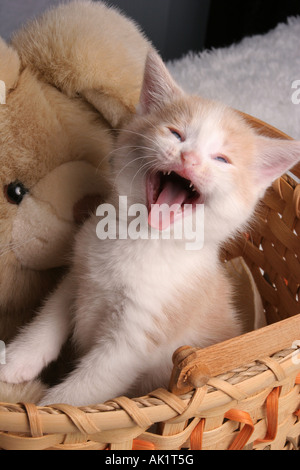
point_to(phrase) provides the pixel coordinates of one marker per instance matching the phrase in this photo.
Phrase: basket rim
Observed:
(160, 407)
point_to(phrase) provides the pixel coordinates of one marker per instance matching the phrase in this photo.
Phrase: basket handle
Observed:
(194, 367)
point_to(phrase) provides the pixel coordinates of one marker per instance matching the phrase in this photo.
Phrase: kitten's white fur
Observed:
(131, 303)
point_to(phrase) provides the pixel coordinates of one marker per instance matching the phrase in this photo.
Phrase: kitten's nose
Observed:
(190, 158)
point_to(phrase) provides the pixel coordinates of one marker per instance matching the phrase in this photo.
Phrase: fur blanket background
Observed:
(254, 76)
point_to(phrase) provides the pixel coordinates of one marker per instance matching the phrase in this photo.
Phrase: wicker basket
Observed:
(240, 394)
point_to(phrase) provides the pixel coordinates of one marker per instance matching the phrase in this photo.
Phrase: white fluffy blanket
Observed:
(254, 76)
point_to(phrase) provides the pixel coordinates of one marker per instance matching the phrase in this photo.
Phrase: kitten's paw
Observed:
(20, 367)
(66, 393)
(54, 396)
(17, 374)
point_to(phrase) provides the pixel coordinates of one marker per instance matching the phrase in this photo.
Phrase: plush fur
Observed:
(70, 76)
(28, 392)
(86, 48)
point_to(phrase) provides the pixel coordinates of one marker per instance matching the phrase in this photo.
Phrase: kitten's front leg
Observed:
(104, 373)
(40, 342)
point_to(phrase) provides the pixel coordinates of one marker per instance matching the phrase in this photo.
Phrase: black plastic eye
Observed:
(15, 192)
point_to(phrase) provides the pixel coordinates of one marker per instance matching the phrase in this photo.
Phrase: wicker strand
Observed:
(246, 432)
(296, 201)
(227, 388)
(196, 438)
(193, 407)
(79, 418)
(172, 400)
(272, 416)
(135, 413)
(36, 428)
(275, 367)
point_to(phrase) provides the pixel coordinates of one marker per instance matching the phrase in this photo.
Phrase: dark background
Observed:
(177, 26)
(230, 21)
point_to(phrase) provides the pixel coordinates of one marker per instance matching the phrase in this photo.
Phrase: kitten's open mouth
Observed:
(169, 197)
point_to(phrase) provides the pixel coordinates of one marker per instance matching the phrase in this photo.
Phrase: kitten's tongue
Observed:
(159, 216)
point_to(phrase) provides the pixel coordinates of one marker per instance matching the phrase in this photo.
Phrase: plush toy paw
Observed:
(29, 392)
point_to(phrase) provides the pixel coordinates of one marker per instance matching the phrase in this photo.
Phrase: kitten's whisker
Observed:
(134, 147)
(150, 123)
(110, 153)
(137, 133)
(146, 165)
(125, 166)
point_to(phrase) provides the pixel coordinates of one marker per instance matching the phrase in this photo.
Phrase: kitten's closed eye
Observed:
(176, 133)
(222, 159)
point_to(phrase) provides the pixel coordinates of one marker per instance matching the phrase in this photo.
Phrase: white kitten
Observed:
(131, 302)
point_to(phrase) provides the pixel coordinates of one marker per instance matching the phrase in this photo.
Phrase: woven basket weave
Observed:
(240, 394)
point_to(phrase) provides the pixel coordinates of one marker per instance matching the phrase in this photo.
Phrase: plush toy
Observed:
(70, 77)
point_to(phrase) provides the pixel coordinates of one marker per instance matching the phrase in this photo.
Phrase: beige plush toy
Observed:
(69, 78)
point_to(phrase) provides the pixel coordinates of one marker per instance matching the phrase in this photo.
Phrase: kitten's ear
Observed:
(273, 158)
(158, 85)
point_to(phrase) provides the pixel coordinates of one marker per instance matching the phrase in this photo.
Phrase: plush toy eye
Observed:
(15, 192)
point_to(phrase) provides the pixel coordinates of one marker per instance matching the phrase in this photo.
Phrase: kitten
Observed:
(130, 303)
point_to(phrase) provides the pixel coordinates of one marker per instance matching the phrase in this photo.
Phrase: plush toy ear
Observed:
(89, 50)
(9, 67)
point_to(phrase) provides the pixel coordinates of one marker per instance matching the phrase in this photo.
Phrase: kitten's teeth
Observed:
(191, 185)
(169, 173)
(194, 190)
